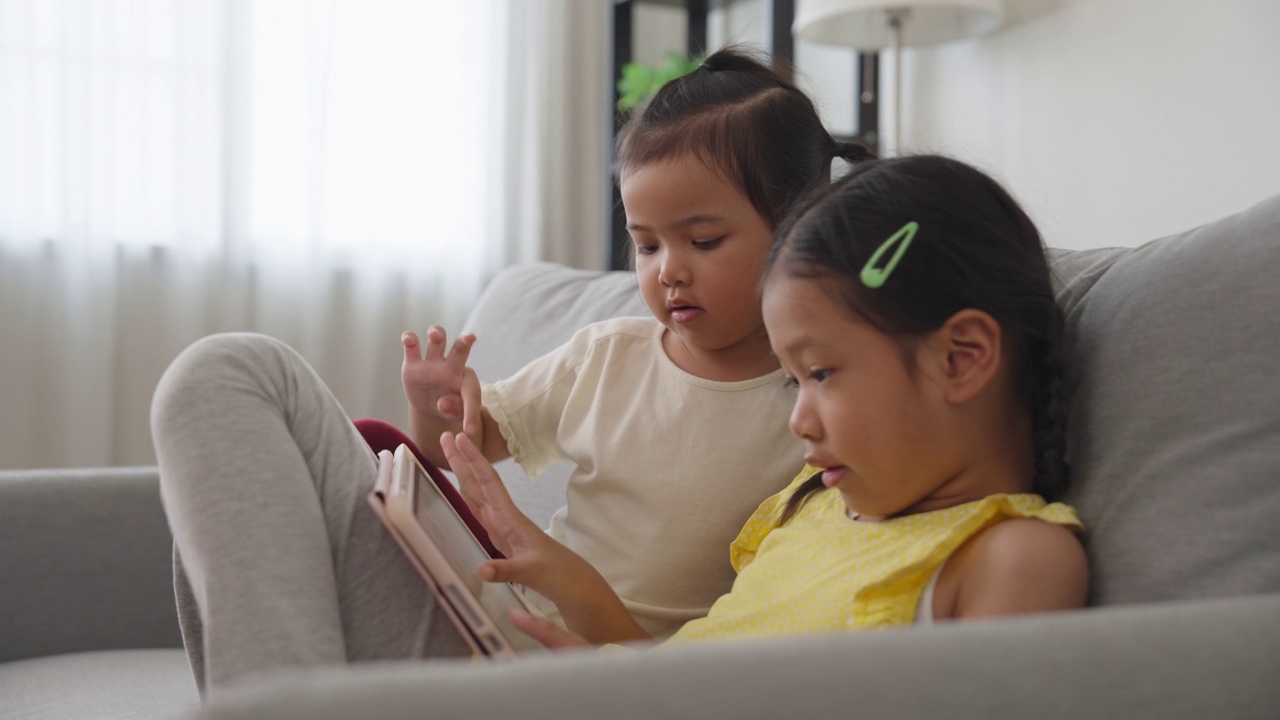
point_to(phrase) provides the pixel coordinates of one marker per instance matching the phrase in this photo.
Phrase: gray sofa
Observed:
(1175, 444)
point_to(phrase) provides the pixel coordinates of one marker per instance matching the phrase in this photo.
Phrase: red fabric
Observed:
(382, 435)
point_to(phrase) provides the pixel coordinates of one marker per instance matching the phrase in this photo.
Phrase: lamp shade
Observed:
(863, 24)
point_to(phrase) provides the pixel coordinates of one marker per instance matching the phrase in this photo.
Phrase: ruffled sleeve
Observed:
(743, 549)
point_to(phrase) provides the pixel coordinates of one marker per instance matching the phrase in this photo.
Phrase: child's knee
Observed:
(217, 364)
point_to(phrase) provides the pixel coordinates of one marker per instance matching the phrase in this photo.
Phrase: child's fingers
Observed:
(471, 405)
(451, 406)
(461, 349)
(471, 492)
(507, 571)
(495, 493)
(412, 350)
(509, 528)
(469, 483)
(435, 342)
(547, 632)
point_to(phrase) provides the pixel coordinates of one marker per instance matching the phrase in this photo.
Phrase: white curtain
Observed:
(330, 172)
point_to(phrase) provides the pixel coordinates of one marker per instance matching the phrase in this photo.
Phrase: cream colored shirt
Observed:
(669, 465)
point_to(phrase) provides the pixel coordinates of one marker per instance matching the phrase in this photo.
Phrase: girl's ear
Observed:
(967, 349)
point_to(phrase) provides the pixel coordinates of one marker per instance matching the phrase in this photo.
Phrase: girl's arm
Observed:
(1017, 566)
(444, 396)
(586, 601)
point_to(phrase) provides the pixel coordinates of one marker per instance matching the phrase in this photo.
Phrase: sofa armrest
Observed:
(1209, 658)
(86, 562)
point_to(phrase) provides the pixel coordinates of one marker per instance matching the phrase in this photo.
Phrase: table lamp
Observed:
(873, 25)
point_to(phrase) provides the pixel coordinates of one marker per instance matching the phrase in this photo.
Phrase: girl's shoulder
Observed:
(587, 342)
(1029, 561)
(640, 333)
(637, 333)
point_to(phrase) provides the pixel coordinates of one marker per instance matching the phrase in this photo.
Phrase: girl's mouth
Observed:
(685, 314)
(832, 475)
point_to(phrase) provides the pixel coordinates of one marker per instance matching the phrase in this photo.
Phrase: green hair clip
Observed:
(872, 276)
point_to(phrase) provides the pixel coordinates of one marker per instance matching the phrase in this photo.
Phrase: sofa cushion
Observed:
(1174, 433)
(108, 684)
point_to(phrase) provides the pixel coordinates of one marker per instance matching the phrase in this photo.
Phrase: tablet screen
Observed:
(465, 553)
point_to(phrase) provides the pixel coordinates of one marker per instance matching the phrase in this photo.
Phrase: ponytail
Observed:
(851, 152)
(734, 59)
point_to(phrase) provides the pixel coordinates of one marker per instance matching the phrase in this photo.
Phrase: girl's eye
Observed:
(646, 249)
(708, 244)
(817, 375)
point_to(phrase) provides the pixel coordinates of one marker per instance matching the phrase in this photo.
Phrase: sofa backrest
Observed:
(1174, 433)
(1174, 374)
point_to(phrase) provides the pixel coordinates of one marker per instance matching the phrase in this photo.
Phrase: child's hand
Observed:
(534, 558)
(547, 632)
(441, 386)
(585, 600)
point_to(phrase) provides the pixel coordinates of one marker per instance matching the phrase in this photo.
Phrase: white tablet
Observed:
(447, 554)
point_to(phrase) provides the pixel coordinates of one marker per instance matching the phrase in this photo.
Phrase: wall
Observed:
(1113, 121)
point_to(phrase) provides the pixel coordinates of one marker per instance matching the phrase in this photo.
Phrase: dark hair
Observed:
(975, 248)
(743, 121)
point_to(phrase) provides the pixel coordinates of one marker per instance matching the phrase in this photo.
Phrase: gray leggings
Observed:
(278, 560)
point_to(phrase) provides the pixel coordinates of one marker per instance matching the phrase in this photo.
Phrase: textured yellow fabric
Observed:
(823, 572)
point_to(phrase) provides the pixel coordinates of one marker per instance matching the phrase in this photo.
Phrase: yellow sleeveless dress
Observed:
(824, 572)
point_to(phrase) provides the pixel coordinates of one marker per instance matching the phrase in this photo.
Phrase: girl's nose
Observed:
(674, 271)
(803, 423)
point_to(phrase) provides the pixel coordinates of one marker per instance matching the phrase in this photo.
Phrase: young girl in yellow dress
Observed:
(910, 304)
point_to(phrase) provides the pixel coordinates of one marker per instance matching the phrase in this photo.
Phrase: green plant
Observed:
(640, 81)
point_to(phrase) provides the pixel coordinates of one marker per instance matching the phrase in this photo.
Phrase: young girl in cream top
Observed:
(675, 423)
(910, 304)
